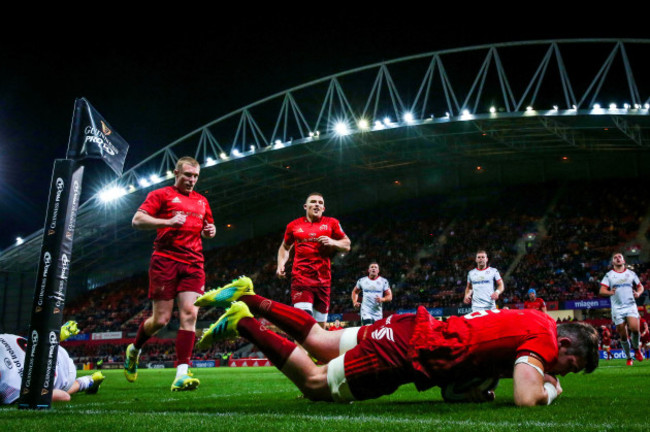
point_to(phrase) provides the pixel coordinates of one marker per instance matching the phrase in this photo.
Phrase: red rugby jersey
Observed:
(483, 343)
(184, 243)
(537, 304)
(311, 261)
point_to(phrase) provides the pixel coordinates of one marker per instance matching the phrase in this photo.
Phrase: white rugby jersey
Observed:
(483, 282)
(12, 364)
(372, 288)
(624, 283)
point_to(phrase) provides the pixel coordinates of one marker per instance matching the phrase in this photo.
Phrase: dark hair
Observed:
(584, 340)
(315, 193)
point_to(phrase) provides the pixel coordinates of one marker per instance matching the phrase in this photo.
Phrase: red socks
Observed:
(141, 337)
(184, 346)
(276, 348)
(297, 323)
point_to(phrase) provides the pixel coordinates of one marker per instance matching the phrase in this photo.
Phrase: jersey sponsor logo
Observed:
(8, 363)
(383, 332)
(105, 129)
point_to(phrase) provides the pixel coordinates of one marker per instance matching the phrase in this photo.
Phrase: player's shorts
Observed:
(378, 365)
(168, 277)
(66, 372)
(317, 296)
(619, 315)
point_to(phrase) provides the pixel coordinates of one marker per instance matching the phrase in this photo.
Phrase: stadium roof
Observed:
(492, 114)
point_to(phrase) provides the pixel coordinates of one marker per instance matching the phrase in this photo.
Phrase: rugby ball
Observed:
(458, 391)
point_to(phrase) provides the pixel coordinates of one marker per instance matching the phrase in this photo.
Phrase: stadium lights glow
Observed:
(493, 110)
(169, 174)
(529, 108)
(311, 134)
(646, 106)
(555, 107)
(278, 144)
(154, 178)
(340, 128)
(111, 194)
(626, 106)
(637, 106)
(612, 106)
(19, 241)
(447, 115)
(131, 188)
(222, 155)
(408, 117)
(209, 161)
(236, 152)
(465, 114)
(596, 106)
(387, 121)
(378, 125)
(252, 148)
(574, 108)
(363, 124)
(143, 182)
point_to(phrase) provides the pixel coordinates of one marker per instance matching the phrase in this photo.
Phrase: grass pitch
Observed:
(614, 397)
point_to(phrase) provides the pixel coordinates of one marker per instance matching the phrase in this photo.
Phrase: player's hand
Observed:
(209, 231)
(177, 221)
(380, 299)
(357, 305)
(555, 381)
(636, 294)
(280, 272)
(467, 299)
(326, 241)
(494, 295)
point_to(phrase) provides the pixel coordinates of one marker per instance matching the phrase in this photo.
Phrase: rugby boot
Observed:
(224, 296)
(226, 326)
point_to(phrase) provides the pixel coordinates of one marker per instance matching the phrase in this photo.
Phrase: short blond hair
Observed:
(186, 160)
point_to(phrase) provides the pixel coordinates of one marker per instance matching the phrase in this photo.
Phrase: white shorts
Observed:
(336, 380)
(619, 315)
(66, 372)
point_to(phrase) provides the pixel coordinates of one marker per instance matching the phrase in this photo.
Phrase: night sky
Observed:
(156, 81)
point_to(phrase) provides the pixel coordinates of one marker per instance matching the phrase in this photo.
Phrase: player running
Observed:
(480, 291)
(181, 217)
(622, 286)
(371, 361)
(314, 237)
(376, 291)
(66, 383)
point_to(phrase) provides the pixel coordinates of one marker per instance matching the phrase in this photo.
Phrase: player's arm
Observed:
(355, 297)
(209, 231)
(638, 291)
(468, 293)
(605, 291)
(497, 292)
(531, 385)
(342, 245)
(388, 296)
(283, 257)
(543, 309)
(144, 221)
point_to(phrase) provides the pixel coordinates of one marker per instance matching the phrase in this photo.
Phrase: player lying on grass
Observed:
(12, 350)
(464, 355)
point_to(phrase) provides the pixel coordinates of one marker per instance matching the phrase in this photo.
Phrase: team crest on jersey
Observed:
(176, 200)
(323, 227)
(202, 203)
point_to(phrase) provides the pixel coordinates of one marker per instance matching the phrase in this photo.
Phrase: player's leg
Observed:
(190, 287)
(634, 327)
(284, 354)
(621, 329)
(321, 305)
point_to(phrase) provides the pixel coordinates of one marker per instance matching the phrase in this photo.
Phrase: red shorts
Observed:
(645, 339)
(168, 277)
(379, 364)
(317, 295)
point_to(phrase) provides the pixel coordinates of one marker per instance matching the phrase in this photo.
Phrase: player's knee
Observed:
(315, 387)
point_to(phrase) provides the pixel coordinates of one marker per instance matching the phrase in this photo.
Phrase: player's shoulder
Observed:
(197, 196)
(329, 220)
(297, 221)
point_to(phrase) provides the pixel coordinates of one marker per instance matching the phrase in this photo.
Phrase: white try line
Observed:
(365, 419)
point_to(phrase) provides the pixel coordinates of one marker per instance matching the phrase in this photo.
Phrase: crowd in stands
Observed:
(557, 239)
